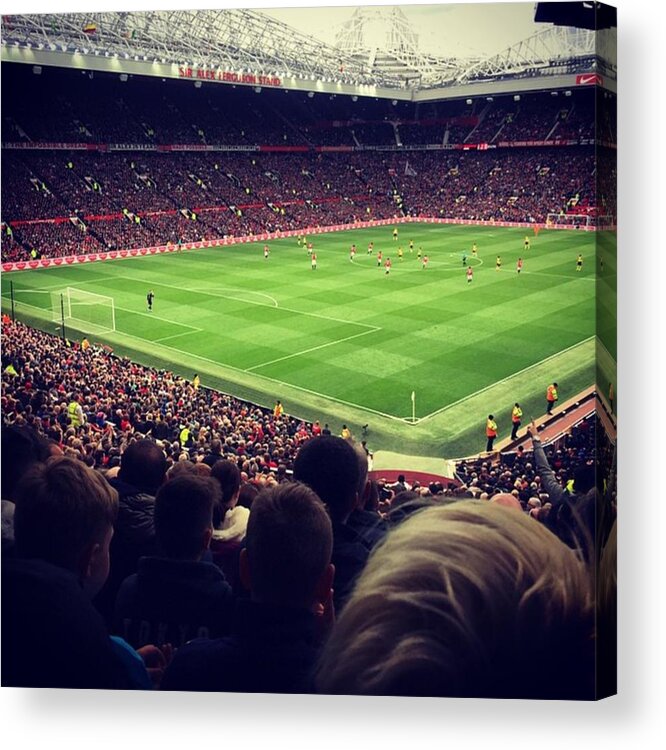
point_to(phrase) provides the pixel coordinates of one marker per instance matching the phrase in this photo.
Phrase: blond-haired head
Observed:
(469, 599)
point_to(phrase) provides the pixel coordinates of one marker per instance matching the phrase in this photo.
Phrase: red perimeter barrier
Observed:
(112, 254)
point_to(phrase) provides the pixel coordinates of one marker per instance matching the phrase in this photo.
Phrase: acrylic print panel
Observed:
(362, 268)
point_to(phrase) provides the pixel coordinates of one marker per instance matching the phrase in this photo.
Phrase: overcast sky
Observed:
(459, 30)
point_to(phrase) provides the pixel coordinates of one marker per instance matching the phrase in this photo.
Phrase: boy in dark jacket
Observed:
(276, 635)
(175, 596)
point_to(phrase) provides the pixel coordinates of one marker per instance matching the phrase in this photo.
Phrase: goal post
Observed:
(86, 311)
(578, 221)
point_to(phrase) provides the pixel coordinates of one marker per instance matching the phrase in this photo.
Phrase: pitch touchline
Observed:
(503, 380)
(311, 349)
(605, 348)
(265, 377)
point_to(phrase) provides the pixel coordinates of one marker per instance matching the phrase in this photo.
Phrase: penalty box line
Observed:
(275, 304)
(312, 349)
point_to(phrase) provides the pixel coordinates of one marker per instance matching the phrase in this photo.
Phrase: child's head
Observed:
(184, 516)
(65, 514)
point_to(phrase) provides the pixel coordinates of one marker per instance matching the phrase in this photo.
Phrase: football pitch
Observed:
(348, 343)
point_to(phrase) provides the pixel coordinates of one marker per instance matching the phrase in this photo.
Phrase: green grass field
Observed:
(347, 343)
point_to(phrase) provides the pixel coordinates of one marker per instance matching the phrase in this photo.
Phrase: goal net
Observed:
(576, 221)
(85, 311)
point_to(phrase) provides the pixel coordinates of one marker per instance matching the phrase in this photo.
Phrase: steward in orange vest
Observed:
(491, 432)
(551, 397)
(516, 414)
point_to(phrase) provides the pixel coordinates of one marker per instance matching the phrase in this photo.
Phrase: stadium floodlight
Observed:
(85, 311)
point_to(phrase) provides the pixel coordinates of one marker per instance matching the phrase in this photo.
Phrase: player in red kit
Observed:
(470, 274)
(379, 258)
(266, 251)
(313, 260)
(425, 262)
(387, 266)
(519, 265)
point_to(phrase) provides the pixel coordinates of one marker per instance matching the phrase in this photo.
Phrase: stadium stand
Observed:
(61, 201)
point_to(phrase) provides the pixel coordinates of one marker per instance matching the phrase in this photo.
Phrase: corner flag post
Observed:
(62, 316)
(413, 406)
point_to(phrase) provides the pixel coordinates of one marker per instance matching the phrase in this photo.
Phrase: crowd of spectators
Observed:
(237, 194)
(230, 191)
(246, 555)
(517, 474)
(121, 400)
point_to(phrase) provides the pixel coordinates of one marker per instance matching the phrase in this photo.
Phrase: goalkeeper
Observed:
(149, 299)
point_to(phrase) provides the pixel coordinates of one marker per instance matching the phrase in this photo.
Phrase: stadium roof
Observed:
(248, 47)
